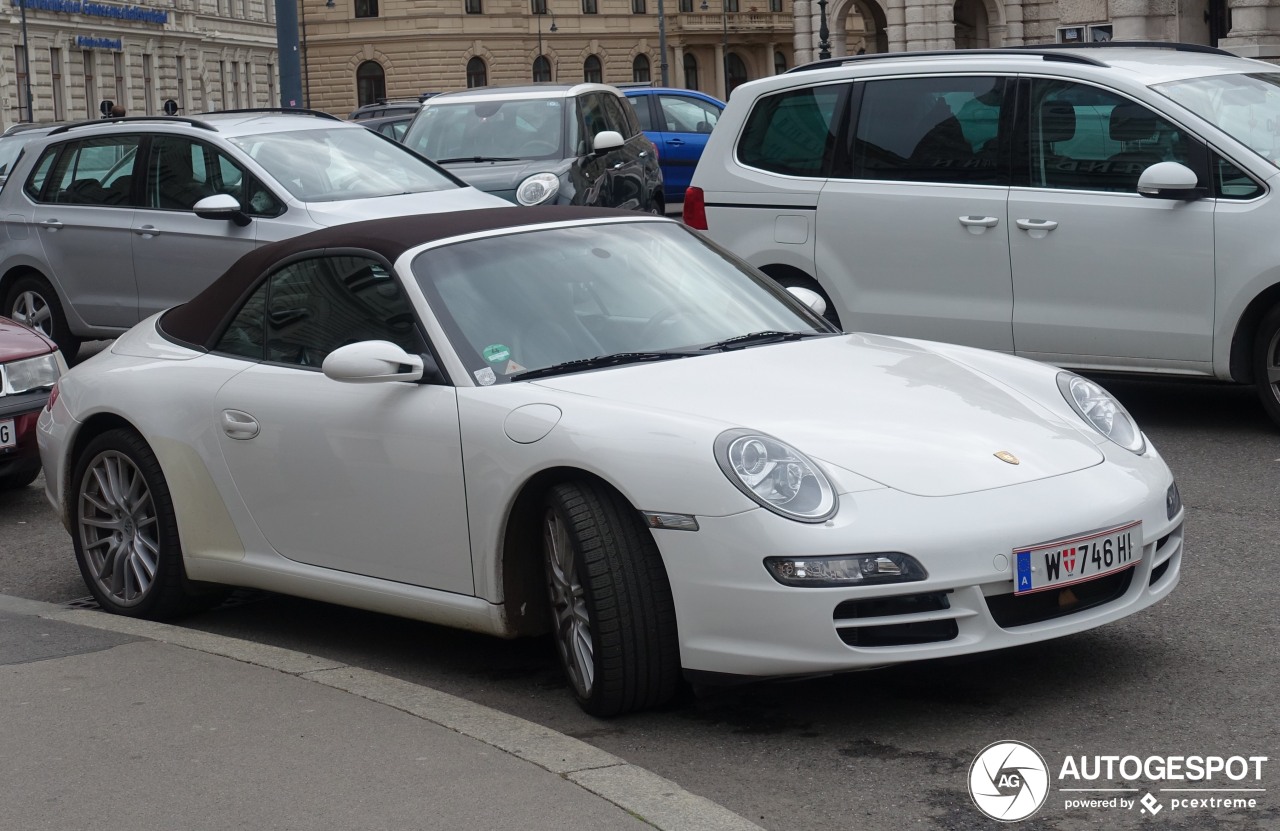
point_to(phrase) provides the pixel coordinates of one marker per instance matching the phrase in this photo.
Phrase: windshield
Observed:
(530, 300)
(339, 163)
(1246, 107)
(523, 129)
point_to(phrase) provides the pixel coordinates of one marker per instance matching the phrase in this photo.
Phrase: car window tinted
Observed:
(1085, 138)
(96, 171)
(311, 307)
(520, 129)
(591, 116)
(40, 174)
(943, 129)
(334, 164)
(687, 115)
(641, 106)
(182, 171)
(792, 132)
(614, 116)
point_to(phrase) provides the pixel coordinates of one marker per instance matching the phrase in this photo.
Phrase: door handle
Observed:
(979, 224)
(147, 231)
(51, 224)
(1037, 224)
(618, 166)
(239, 425)
(675, 142)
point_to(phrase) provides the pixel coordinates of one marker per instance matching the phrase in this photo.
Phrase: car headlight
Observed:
(1102, 411)
(30, 374)
(538, 188)
(775, 475)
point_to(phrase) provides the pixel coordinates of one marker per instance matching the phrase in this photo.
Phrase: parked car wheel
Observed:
(124, 530)
(611, 605)
(1266, 364)
(31, 300)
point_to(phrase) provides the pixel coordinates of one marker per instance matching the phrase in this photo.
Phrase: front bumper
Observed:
(24, 408)
(734, 619)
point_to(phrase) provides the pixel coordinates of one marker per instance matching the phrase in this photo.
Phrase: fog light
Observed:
(1173, 500)
(846, 570)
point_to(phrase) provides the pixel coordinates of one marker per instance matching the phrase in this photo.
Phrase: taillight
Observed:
(695, 209)
(53, 396)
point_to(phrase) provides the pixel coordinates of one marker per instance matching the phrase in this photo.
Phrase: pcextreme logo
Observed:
(1009, 781)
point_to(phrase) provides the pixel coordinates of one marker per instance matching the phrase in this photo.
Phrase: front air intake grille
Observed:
(1011, 610)
(895, 634)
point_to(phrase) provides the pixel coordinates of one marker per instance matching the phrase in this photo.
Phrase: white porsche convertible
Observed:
(599, 424)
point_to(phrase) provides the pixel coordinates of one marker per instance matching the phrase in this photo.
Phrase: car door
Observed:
(1102, 275)
(911, 231)
(176, 254)
(361, 478)
(628, 164)
(685, 125)
(84, 210)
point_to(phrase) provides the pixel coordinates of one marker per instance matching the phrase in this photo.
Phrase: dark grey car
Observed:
(538, 144)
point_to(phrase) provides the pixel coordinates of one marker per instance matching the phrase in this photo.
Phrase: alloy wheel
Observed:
(1273, 364)
(118, 528)
(32, 309)
(569, 605)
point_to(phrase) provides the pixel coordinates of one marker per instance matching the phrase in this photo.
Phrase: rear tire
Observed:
(613, 617)
(1266, 364)
(31, 300)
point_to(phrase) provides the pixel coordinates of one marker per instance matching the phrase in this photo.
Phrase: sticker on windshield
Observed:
(496, 353)
(485, 377)
(512, 368)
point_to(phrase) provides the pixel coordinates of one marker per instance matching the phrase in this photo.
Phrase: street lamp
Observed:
(724, 24)
(824, 45)
(540, 9)
(662, 42)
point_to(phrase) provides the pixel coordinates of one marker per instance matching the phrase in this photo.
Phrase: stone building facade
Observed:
(201, 54)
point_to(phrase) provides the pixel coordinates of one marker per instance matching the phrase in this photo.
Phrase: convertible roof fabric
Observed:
(200, 320)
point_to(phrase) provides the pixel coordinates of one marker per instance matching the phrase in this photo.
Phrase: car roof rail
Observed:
(194, 122)
(1065, 57)
(289, 110)
(1142, 44)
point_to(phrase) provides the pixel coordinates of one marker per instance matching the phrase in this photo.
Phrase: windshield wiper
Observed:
(616, 359)
(477, 159)
(755, 338)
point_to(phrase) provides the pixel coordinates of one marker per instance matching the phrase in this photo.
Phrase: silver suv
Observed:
(1109, 208)
(108, 222)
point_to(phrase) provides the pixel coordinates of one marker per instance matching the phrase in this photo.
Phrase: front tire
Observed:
(32, 301)
(1266, 364)
(125, 532)
(613, 616)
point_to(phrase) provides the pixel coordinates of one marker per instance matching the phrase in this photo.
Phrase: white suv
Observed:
(1108, 208)
(107, 222)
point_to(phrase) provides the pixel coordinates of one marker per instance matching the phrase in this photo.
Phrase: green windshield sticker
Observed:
(496, 353)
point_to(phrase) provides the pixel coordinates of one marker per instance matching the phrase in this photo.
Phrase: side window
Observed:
(40, 174)
(1085, 138)
(687, 115)
(96, 171)
(641, 106)
(591, 115)
(930, 130)
(311, 307)
(181, 172)
(615, 118)
(1230, 182)
(792, 133)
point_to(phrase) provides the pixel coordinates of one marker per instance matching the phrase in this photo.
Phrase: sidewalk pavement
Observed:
(113, 723)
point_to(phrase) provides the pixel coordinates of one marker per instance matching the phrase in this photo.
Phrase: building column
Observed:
(802, 37)
(677, 67)
(1255, 30)
(722, 83)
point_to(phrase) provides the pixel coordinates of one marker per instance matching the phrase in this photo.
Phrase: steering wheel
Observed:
(664, 315)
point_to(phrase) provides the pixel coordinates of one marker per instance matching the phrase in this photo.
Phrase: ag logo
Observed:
(1009, 781)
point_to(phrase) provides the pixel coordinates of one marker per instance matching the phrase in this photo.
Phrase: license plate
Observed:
(8, 435)
(1075, 560)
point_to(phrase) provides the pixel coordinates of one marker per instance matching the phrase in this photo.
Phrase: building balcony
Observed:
(748, 21)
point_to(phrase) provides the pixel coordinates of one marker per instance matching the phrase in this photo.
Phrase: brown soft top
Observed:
(199, 321)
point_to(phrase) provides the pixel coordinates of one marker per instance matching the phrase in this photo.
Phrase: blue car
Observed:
(678, 122)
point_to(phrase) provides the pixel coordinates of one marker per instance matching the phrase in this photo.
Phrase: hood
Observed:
(499, 178)
(18, 342)
(402, 204)
(888, 410)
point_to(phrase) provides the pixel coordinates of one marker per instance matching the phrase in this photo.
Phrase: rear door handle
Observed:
(675, 142)
(239, 425)
(1037, 224)
(979, 224)
(51, 224)
(147, 231)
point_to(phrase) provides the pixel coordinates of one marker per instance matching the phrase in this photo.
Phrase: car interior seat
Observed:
(1057, 125)
(1134, 126)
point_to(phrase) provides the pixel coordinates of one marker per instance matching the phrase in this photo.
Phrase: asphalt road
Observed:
(891, 749)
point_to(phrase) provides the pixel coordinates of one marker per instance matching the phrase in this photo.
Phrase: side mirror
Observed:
(1170, 180)
(809, 298)
(372, 362)
(221, 206)
(607, 140)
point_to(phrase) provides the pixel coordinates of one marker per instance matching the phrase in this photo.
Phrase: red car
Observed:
(30, 363)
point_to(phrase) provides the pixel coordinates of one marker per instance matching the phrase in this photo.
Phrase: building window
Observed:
(637, 6)
(474, 7)
(779, 63)
(686, 6)
(371, 83)
(541, 69)
(366, 8)
(182, 82)
(589, 7)
(640, 69)
(592, 72)
(690, 71)
(235, 85)
(222, 86)
(477, 73)
(55, 65)
(271, 85)
(539, 6)
(731, 5)
(737, 73)
(20, 64)
(775, 5)
(90, 86)
(118, 57)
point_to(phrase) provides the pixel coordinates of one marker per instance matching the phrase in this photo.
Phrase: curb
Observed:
(657, 801)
